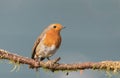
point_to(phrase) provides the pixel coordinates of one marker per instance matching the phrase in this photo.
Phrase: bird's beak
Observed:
(63, 27)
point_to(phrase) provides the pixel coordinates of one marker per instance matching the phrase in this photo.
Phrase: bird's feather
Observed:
(38, 40)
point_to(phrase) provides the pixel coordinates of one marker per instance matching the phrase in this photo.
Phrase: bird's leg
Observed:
(42, 58)
(48, 58)
(51, 63)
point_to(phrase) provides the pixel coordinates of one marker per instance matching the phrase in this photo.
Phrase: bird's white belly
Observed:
(46, 51)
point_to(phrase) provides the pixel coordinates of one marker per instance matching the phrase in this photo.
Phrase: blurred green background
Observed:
(92, 33)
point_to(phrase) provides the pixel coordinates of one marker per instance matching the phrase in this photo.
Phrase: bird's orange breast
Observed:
(52, 38)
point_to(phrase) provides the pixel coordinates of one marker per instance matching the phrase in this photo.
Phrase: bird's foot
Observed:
(52, 63)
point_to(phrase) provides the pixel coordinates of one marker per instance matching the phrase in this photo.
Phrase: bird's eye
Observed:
(54, 26)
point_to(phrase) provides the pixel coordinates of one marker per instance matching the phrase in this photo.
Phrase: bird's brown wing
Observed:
(37, 42)
(34, 47)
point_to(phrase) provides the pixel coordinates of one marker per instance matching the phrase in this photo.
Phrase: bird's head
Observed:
(56, 27)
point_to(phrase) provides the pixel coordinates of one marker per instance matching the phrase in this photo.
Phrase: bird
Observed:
(47, 43)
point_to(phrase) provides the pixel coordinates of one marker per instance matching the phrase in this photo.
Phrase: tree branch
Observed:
(54, 66)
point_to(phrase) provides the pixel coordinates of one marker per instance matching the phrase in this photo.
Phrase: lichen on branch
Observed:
(55, 66)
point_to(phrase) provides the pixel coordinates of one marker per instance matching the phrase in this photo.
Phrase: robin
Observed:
(47, 43)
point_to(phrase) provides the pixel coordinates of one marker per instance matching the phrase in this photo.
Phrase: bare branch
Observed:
(53, 65)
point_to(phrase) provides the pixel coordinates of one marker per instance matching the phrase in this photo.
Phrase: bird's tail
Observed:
(36, 59)
(32, 67)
